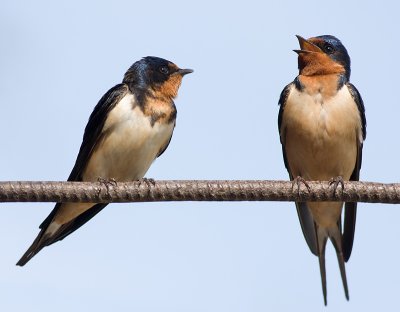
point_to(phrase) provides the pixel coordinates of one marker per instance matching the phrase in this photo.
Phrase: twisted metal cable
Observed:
(196, 190)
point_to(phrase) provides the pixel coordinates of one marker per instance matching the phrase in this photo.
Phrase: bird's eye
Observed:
(328, 48)
(164, 70)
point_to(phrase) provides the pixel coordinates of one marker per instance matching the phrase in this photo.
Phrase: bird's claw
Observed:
(148, 181)
(298, 181)
(335, 182)
(107, 183)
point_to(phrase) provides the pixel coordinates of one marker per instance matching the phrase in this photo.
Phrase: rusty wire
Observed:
(196, 190)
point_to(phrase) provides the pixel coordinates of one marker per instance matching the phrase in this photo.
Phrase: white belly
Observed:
(130, 145)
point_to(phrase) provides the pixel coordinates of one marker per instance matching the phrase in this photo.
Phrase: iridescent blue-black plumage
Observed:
(333, 47)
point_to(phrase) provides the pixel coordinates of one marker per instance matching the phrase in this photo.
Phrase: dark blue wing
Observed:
(350, 210)
(92, 135)
(93, 130)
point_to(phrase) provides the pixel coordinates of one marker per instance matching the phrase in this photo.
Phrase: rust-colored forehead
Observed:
(316, 41)
(173, 66)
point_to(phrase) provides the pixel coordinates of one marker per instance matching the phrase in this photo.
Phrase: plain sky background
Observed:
(58, 58)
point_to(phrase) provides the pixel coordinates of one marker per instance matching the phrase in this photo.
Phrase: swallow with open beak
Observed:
(322, 128)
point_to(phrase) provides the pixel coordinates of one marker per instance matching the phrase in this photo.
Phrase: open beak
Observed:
(306, 46)
(184, 72)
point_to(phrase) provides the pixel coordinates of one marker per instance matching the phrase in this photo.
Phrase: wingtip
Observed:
(21, 263)
(37, 245)
(28, 255)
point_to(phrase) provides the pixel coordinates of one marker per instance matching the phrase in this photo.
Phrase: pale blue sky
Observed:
(59, 57)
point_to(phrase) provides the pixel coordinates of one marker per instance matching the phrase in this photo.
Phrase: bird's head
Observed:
(160, 77)
(323, 55)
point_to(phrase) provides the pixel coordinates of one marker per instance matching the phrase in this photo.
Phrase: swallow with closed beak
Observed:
(128, 129)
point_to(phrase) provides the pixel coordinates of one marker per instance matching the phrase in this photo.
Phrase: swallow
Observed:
(129, 128)
(322, 128)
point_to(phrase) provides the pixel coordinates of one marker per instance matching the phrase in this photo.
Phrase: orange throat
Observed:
(315, 63)
(169, 89)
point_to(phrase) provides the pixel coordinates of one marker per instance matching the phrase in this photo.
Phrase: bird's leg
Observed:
(335, 182)
(148, 181)
(298, 180)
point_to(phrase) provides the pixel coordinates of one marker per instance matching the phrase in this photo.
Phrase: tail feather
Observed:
(337, 243)
(334, 234)
(343, 274)
(321, 240)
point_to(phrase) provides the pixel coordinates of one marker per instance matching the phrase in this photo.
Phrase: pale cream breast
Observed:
(321, 134)
(130, 144)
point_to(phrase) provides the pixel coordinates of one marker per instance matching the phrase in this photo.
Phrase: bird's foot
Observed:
(107, 183)
(335, 182)
(148, 181)
(298, 181)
